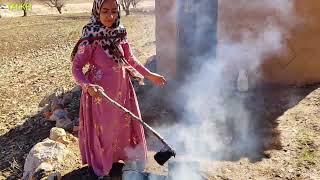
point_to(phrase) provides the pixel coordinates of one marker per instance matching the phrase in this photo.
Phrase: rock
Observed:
(55, 98)
(60, 135)
(49, 99)
(46, 158)
(45, 101)
(59, 91)
(48, 151)
(64, 123)
(57, 133)
(55, 101)
(76, 89)
(67, 99)
(60, 116)
(46, 170)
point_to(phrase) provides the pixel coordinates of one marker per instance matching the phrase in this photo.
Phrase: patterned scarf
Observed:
(110, 39)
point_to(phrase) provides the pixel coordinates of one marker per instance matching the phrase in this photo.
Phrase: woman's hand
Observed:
(94, 90)
(157, 79)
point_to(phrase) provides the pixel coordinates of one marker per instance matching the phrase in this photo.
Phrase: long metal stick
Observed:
(138, 119)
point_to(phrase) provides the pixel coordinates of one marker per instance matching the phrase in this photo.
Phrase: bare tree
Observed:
(59, 4)
(135, 2)
(126, 6)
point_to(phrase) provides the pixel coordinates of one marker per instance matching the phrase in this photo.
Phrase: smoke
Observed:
(251, 32)
(215, 122)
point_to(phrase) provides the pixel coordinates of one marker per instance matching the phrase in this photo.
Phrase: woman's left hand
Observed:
(157, 79)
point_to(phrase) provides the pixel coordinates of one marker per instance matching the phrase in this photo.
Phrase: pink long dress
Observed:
(106, 133)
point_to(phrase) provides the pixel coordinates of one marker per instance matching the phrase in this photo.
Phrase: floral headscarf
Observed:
(109, 38)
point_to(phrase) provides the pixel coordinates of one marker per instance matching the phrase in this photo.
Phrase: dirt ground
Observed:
(35, 63)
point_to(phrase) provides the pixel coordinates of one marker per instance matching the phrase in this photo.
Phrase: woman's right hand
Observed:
(94, 90)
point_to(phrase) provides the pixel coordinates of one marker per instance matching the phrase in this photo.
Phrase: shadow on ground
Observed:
(86, 173)
(16, 144)
(264, 106)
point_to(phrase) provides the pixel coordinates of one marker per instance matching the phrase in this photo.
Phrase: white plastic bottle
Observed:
(242, 83)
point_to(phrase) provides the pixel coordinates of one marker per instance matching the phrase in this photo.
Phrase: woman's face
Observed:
(109, 12)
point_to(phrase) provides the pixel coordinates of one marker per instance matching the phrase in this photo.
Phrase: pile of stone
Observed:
(62, 108)
(46, 158)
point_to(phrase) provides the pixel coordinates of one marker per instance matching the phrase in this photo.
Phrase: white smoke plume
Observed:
(214, 121)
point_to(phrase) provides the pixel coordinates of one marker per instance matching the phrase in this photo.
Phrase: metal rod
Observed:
(138, 119)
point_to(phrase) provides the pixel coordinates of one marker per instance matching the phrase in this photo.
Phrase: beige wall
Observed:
(166, 37)
(299, 62)
(298, 65)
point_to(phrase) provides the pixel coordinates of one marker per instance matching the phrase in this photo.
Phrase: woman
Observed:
(107, 134)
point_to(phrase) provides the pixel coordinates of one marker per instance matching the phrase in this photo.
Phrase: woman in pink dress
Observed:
(106, 133)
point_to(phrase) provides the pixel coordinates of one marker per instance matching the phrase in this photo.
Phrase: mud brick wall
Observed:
(298, 65)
